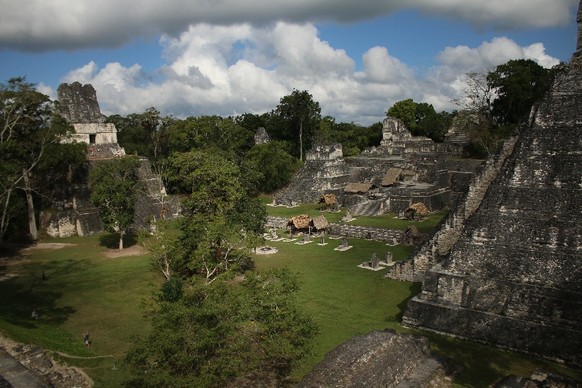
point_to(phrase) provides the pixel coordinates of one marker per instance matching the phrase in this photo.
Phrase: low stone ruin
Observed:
(42, 365)
(379, 359)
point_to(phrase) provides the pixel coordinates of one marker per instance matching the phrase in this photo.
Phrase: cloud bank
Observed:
(42, 25)
(229, 70)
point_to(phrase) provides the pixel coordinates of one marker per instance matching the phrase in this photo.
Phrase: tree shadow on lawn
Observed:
(111, 240)
(37, 288)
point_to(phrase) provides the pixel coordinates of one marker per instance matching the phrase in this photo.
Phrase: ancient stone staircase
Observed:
(452, 226)
(372, 207)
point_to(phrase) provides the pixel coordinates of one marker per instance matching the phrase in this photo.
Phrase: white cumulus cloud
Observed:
(229, 70)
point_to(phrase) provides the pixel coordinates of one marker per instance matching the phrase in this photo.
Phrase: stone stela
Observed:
(344, 246)
(375, 264)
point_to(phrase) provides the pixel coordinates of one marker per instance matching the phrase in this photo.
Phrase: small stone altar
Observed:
(344, 245)
(266, 250)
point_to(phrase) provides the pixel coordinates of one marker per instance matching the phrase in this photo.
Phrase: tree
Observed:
(225, 334)
(477, 98)
(518, 84)
(301, 115)
(210, 328)
(28, 127)
(404, 111)
(143, 133)
(275, 164)
(494, 103)
(114, 187)
(421, 119)
(208, 132)
(221, 224)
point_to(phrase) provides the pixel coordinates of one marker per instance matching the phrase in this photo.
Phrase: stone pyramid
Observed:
(514, 277)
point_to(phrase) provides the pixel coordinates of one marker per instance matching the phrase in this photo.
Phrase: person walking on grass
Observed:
(86, 338)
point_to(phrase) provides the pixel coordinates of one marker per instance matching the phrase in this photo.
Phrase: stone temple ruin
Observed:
(506, 266)
(403, 170)
(80, 108)
(72, 212)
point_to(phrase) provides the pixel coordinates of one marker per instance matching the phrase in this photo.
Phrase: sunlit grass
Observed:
(85, 290)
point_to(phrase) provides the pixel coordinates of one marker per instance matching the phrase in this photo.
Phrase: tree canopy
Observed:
(225, 335)
(299, 117)
(421, 119)
(518, 84)
(114, 188)
(30, 150)
(217, 323)
(496, 102)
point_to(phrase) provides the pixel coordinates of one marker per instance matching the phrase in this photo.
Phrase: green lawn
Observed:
(346, 301)
(342, 299)
(85, 290)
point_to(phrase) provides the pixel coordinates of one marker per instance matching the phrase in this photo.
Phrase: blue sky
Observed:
(229, 57)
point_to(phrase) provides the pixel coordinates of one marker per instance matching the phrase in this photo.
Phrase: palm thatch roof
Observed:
(328, 199)
(419, 208)
(391, 176)
(358, 188)
(300, 222)
(320, 223)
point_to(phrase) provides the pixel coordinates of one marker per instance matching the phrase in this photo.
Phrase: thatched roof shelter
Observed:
(328, 199)
(392, 176)
(301, 221)
(419, 208)
(358, 188)
(320, 223)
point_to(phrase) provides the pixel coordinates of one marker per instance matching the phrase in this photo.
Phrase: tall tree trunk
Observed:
(32, 228)
(4, 218)
(301, 140)
(121, 240)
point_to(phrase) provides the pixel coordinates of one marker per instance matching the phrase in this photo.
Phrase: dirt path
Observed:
(134, 250)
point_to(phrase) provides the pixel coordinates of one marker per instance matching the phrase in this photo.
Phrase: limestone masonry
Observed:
(404, 169)
(72, 212)
(511, 274)
(78, 104)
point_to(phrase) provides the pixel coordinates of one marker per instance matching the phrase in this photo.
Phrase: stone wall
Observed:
(347, 230)
(154, 203)
(324, 171)
(449, 230)
(94, 133)
(514, 276)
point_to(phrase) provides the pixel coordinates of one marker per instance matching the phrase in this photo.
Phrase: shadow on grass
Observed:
(474, 364)
(414, 289)
(111, 240)
(33, 289)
